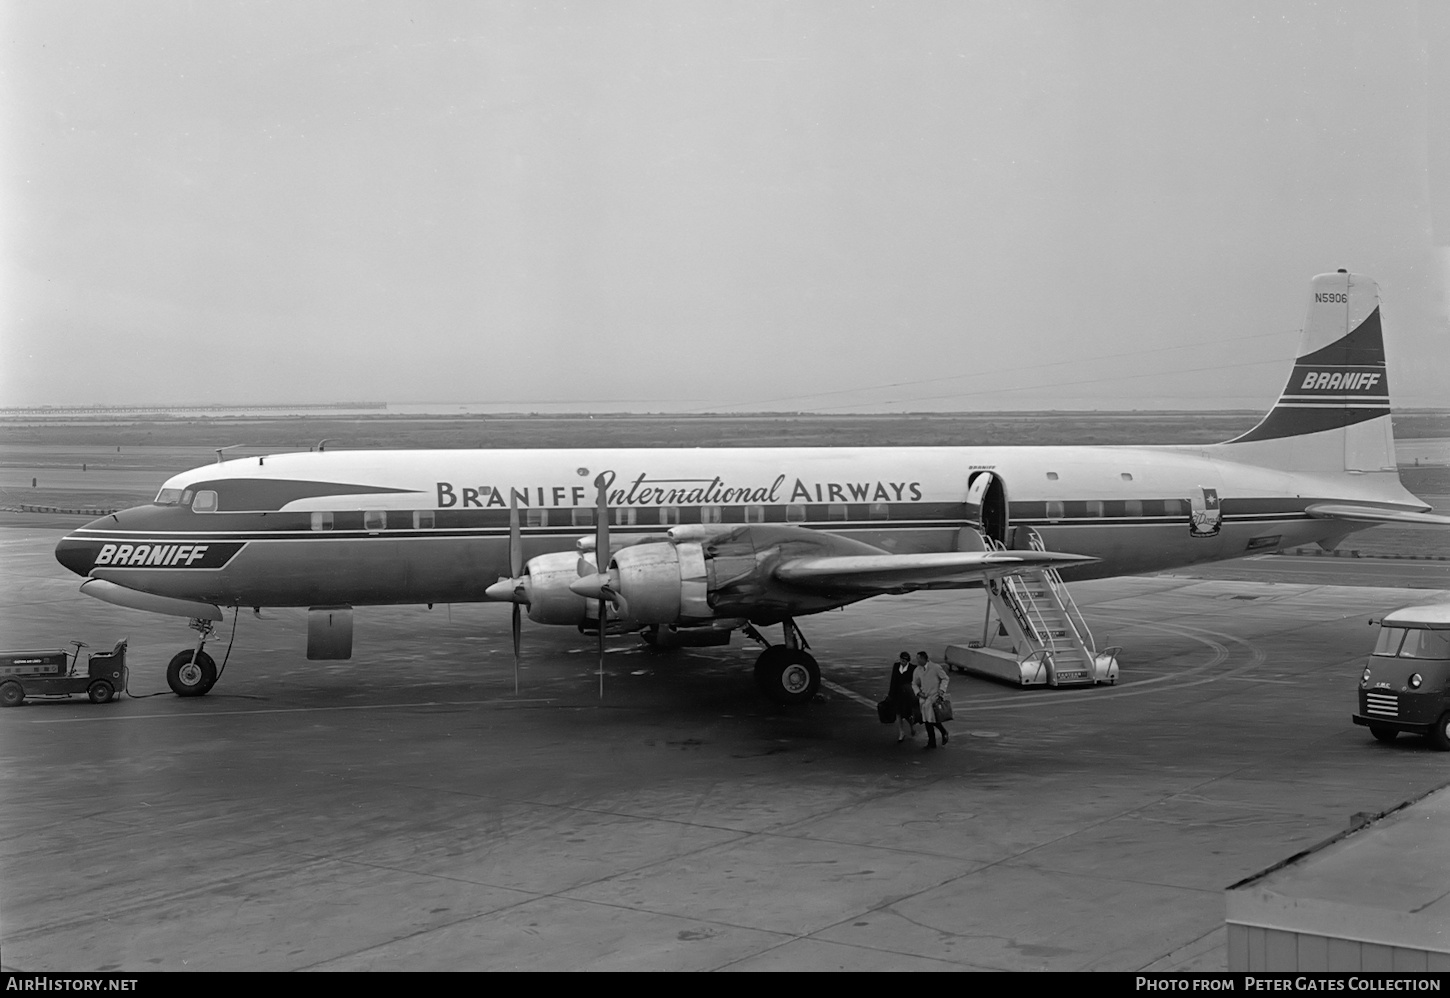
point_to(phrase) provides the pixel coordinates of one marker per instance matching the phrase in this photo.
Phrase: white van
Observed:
(1406, 685)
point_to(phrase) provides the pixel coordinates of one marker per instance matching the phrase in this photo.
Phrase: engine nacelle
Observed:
(663, 583)
(550, 600)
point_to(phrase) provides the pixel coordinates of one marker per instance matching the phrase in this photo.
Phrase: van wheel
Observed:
(1383, 732)
(190, 679)
(11, 694)
(1440, 733)
(100, 691)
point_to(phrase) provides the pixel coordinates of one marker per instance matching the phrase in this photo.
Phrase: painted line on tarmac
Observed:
(837, 688)
(285, 710)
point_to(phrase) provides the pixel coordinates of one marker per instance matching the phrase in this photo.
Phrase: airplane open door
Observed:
(986, 505)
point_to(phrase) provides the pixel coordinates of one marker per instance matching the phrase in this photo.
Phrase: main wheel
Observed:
(787, 675)
(1440, 733)
(11, 694)
(1383, 732)
(189, 678)
(100, 691)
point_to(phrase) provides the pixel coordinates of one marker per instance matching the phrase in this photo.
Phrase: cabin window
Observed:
(375, 519)
(795, 513)
(1175, 507)
(669, 515)
(836, 511)
(536, 517)
(1133, 507)
(754, 514)
(321, 521)
(1052, 476)
(168, 497)
(1126, 476)
(582, 516)
(1423, 643)
(205, 502)
(711, 514)
(879, 511)
(1054, 511)
(422, 519)
(626, 516)
(1094, 507)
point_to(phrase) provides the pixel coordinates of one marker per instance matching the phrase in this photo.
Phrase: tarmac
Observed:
(407, 810)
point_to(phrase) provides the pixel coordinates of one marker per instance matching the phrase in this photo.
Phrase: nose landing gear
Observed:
(191, 673)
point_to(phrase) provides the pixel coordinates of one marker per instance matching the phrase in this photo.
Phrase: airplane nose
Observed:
(76, 555)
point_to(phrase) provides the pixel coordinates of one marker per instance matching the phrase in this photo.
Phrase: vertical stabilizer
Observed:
(1334, 414)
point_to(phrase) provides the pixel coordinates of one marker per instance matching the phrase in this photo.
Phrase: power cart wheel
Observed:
(1383, 732)
(100, 691)
(787, 675)
(1440, 733)
(11, 694)
(189, 678)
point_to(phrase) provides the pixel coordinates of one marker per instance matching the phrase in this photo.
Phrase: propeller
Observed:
(516, 567)
(601, 559)
(514, 587)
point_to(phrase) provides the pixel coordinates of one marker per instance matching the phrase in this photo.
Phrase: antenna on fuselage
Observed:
(322, 444)
(226, 448)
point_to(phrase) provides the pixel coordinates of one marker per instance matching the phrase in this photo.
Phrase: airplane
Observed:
(688, 546)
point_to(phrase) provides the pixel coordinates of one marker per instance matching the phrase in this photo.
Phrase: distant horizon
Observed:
(451, 409)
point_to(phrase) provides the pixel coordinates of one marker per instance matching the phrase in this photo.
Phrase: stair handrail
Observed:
(1072, 613)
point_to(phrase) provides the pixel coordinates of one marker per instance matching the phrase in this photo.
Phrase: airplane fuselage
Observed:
(397, 527)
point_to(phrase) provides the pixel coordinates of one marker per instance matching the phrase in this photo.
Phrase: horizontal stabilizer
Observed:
(1376, 514)
(888, 573)
(109, 592)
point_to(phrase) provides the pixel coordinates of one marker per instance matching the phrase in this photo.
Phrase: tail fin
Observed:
(1334, 414)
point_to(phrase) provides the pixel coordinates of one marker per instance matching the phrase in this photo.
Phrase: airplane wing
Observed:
(1375, 514)
(900, 573)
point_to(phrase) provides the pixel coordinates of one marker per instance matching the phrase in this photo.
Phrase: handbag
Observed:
(886, 711)
(942, 708)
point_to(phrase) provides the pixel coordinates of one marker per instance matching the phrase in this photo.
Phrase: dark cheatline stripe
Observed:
(1363, 347)
(273, 493)
(1285, 421)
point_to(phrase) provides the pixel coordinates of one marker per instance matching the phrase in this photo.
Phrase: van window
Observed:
(1424, 643)
(205, 502)
(1388, 644)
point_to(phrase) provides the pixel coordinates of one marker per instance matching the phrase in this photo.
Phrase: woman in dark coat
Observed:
(903, 697)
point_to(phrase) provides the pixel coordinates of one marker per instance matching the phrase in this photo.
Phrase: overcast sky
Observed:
(669, 206)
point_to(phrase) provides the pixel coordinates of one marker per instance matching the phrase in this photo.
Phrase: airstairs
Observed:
(1051, 642)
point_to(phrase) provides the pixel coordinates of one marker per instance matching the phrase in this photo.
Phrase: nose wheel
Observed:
(191, 673)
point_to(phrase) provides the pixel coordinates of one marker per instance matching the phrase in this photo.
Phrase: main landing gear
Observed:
(787, 673)
(191, 673)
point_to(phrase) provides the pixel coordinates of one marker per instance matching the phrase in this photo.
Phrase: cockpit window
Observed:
(186, 498)
(168, 497)
(205, 502)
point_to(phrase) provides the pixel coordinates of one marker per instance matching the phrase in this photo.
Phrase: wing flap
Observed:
(895, 573)
(1375, 514)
